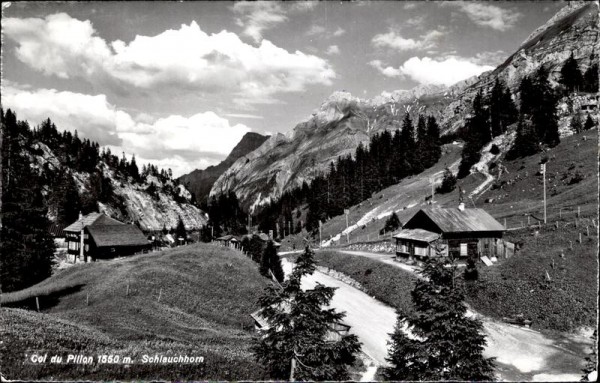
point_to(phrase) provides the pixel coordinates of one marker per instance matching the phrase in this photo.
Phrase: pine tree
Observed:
(591, 78)
(448, 183)
(445, 344)
(433, 134)
(133, 170)
(299, 323)
(576, 123)
(478, 134)
(589, 123)
(544, 116)
(571, 76)
(270, 261)
(407, 146)
(180, 231)
(391, 224)
(503, 111)
(526, 142)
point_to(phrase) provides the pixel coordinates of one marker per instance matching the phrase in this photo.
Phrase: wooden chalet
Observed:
(97, 236)
(458, 233)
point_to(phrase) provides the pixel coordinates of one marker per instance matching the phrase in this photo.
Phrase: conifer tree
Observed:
(543, 115)
(448, 182)
(26, 246)
(180, 231)
(478, 134)
(503, 111)
(589, 123)
(433, 136)
(445, 344)
(407, 146)
(525, 143)
(576, 123)
(270, 261)
(571, 76)
(391, 224)
(299, 322)
(591, 78)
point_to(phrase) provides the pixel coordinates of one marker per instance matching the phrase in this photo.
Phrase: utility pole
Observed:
(543, 166)
(432, 190)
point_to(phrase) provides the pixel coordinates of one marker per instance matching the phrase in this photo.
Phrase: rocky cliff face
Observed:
(152, 212)
(200, 181)
(343, 121)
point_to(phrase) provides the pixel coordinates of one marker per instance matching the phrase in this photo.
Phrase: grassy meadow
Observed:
(193, 300)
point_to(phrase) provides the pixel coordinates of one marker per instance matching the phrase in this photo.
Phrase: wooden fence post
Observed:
(587, 228)
(580, 241)
(159, 294)
(528, 217)
(557, 224)
(127, 292)
(578, 211)
(571, 245)
(37, 303)
(576, 222)
(87, 299)
(504, 223)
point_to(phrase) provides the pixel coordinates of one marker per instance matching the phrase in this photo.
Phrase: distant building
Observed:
(457, 232)
(97, 236)
(228, 240)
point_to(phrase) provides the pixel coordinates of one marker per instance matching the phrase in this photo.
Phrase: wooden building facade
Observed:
(459, 233)
(97, 236)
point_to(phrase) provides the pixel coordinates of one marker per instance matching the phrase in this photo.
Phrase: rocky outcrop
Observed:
(151, 212)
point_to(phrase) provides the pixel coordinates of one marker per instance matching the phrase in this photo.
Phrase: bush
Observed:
(448, 183)
(391, 224)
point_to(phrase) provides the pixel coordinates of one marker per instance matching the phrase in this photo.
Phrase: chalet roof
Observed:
(95, 219)
(117, 235)
(456, 220)
(417, 235)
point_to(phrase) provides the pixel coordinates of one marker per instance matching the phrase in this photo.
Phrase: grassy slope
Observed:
(519, 284)
(523, 195)
(207, 295)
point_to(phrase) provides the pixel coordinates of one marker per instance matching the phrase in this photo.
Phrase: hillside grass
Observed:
(206, 295)
(519, 285)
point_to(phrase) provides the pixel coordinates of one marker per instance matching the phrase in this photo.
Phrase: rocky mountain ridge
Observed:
(343, 121)
(200, 181)
(152, 212)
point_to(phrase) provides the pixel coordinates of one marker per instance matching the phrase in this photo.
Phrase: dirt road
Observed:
(370, 320)
(521, 354)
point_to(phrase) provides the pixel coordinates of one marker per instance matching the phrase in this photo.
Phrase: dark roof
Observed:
(417, 235)
(117, 235)
(57, 230)
(92, 219)
(456, 220)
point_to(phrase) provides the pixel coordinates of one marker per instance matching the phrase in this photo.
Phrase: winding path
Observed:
(521, 354)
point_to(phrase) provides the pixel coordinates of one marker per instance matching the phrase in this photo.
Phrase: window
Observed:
(463, 249)
(73, 245)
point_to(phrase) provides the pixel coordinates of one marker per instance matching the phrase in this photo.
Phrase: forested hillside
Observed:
(49, 177)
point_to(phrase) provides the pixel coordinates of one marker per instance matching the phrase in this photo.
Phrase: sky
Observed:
(178, 84)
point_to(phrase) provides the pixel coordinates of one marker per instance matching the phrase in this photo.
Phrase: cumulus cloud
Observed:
(315, 30)
(183, 59)
(437, 72)
(487, 14)
(92, 116)
(333, 50)
(185, 143)
(258, 16)
(339, 31)
(392, 39)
